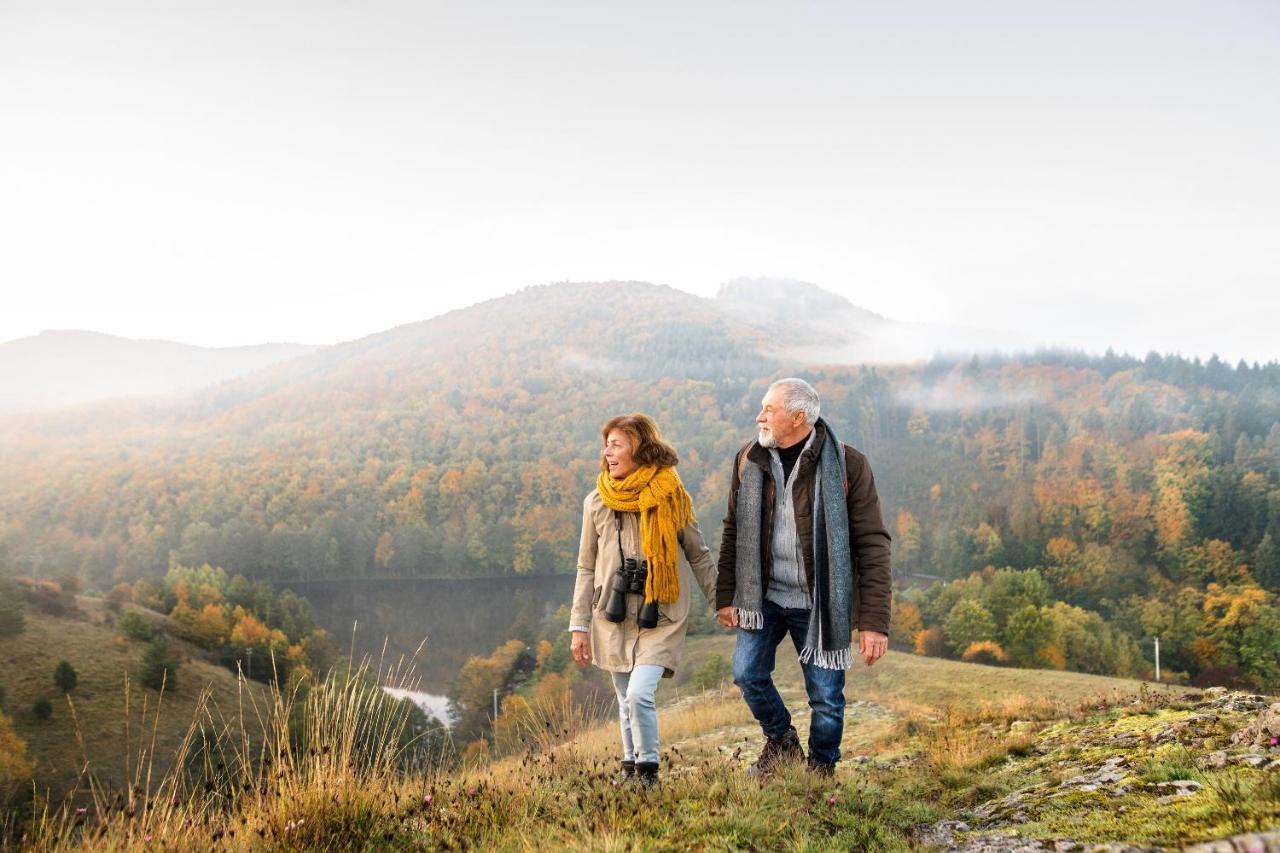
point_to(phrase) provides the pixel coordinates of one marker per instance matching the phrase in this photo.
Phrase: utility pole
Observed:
(495, 699)
(1157, 659)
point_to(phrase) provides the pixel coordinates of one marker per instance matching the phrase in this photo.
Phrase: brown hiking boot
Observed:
(777, 751)
(817, 768)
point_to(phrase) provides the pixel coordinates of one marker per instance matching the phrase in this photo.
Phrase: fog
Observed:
(1090, 175)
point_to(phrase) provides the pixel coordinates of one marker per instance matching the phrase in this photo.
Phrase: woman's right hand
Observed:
(580, 648)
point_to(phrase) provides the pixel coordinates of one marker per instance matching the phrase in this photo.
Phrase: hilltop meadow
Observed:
(938, 754)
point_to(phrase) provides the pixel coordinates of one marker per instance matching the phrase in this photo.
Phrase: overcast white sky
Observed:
(236, 172)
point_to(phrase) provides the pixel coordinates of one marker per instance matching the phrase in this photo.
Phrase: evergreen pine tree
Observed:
(65, 677)
(159, 669)
(1266, 563)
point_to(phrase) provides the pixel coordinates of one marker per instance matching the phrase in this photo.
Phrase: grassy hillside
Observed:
(94, 725)
(939, 755)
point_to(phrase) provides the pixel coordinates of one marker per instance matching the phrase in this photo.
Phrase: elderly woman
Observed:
(631, 600)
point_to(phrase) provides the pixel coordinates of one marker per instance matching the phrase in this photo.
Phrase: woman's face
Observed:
(617, 454)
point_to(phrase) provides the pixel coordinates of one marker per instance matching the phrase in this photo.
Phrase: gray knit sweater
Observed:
(787, 585)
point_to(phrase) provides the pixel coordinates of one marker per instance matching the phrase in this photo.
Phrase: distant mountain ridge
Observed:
(59, 368)
(751, 320)
(815, 326)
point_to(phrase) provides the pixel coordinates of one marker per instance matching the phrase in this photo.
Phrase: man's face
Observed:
(777, 428)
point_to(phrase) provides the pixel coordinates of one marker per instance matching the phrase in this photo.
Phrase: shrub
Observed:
(159, 669)
(985, 651)
(145, 594)
(42, 708)
(931, 642)
(713, 672)
(135, 626)
(477, 753)
(15, 767)
(120, 593)
(49, 597)
(71, 583)
(65, 677)
(905, 624)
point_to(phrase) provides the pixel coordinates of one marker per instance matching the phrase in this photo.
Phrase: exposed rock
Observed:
(1215, 759)
(1174, 790)
(1250, 759)
(1108, 774)
(1185, 729)
(1261, 730)
(1236, 702)
(939, 837)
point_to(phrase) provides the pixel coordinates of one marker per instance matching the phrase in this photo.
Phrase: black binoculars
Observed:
(630, 579)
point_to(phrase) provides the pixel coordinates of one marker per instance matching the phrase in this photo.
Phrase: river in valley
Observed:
(443, 621)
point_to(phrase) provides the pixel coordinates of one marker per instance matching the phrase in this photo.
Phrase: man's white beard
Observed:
(766, 439)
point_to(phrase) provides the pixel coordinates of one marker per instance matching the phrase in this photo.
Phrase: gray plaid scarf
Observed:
(827, 639)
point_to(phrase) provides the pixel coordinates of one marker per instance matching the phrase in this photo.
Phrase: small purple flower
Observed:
(471, 792)
(1274, 741)
(615, 783)
(81, 810)
(426, 798)
(831, 801)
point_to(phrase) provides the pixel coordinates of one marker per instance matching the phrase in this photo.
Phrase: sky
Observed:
(225, 173)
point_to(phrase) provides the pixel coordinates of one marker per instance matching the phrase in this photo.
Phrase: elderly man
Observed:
(804, 552)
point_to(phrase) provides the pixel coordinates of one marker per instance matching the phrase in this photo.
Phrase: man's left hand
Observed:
(872, 645)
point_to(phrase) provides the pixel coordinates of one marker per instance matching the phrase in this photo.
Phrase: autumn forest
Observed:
(1051, 509)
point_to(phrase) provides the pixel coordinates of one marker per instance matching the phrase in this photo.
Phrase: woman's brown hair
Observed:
(647, 446)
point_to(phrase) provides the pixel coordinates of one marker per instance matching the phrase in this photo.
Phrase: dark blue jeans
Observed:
(753, 660)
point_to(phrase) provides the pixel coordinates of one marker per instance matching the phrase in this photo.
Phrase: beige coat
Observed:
(619, 646)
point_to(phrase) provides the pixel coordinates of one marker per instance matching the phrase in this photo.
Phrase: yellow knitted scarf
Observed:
(665, 509)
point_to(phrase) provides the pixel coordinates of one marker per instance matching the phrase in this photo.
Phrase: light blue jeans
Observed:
(638, 711)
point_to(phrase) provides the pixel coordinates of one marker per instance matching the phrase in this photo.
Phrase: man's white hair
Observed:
(799, 396)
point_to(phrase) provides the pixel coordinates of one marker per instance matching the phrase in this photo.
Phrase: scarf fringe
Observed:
(834, 659)
(752, 620)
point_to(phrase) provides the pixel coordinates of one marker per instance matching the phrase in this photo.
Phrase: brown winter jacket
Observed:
(872, 585)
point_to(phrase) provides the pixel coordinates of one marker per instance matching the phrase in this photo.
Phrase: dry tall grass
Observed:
(261, 768)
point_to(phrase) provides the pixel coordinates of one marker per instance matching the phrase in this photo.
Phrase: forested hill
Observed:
(463, 446)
